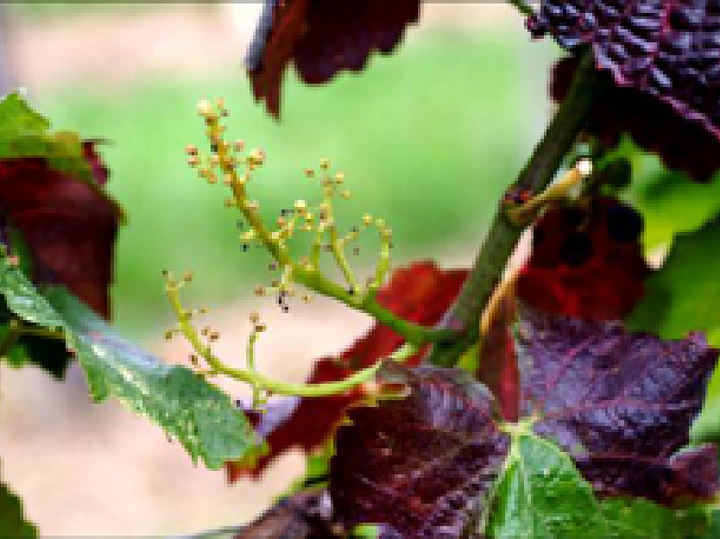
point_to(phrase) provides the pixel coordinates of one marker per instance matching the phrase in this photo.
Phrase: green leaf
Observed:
(542, 495)
(636, 518)
(186, 406)
(12, 520)
(713, 531)
(25, 133)
(18, 119)
(684, 294)
(671, 203)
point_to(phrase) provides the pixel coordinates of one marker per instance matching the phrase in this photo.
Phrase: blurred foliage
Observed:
(433, 163)
(671, 202)
(35, 9)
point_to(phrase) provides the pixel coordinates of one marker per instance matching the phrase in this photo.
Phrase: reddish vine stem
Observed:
(503, 236)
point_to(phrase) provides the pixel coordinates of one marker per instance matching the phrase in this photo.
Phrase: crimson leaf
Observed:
(619, 405)
(586, 262)
(51, 193)
(322, 37)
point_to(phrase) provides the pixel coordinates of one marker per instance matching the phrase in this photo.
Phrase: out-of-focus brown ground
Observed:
(96, 469)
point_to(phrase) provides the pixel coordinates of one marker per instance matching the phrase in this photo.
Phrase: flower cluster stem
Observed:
(250, 375)
(504, 234)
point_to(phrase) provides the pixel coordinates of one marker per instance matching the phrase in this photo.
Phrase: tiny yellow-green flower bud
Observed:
(205, 108)
(248, 235)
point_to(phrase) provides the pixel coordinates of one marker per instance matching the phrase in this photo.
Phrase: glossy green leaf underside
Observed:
(190, 409)
(542, 495)
(25, 133)
(12, 520)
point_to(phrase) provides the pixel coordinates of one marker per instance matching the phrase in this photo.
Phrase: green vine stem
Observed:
(504, 234)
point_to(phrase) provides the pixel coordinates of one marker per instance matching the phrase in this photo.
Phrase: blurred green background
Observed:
(427, 138)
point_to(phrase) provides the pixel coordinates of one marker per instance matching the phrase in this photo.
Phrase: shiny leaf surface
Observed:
(421, 464)
(604, 413)
(199, 415)
(542, 495)
(666, 50)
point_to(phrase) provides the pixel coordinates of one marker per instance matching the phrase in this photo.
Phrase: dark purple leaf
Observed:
(653, 125)
(620, 404)
(419, 464)
(322, 37)
(664, 48)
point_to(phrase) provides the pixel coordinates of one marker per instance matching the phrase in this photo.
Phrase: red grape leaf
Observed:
(586, 262)
(51, 193)
(420, 293)
(619, 403)
(68, 226)
(653, 125)
(666, 50)
(322, 37)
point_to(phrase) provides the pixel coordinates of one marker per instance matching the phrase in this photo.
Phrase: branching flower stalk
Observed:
(236, 169)
(260, 383)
